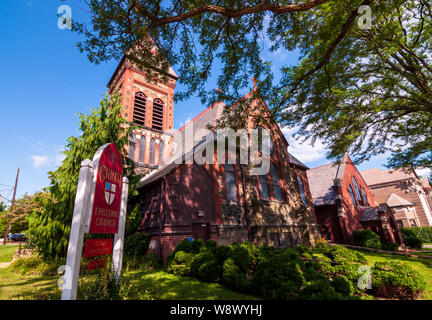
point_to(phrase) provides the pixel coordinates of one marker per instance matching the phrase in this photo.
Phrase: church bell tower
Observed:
(150, 106)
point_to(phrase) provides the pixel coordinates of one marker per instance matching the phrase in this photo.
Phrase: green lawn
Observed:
(171, 287)
(14, 286)
(423, 266)
(168, 287)
(7, 252)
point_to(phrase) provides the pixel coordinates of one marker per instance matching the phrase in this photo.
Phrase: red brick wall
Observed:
(353, 213)
(169, 243)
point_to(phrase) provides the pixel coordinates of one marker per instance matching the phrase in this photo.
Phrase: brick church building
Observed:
(344, 203)
(220, 201)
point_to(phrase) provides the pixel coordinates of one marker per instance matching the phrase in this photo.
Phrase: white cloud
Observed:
(305, 152)
(424, 172)
(39, 161)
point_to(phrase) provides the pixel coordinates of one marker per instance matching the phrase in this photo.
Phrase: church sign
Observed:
(100, 208)
(107, 193)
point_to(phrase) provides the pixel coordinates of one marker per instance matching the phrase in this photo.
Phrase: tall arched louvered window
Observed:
(161, 151)
(152, 151)
(142, 149)
(276, 183)
(139, 108)
(157, 121)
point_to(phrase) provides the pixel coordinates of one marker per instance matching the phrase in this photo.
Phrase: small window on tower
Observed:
(152, 151)
(157, 120)
(139, 108)
(142, 149)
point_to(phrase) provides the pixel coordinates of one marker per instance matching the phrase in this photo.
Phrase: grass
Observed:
(422, 266)
(171, 287)
(7, 252)
(168, 287)
(15, 286)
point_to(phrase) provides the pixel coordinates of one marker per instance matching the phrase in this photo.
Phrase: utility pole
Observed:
(11, 210)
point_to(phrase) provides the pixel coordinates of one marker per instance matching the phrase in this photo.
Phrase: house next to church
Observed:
(404, 191)
(344, 203)
(220, 201)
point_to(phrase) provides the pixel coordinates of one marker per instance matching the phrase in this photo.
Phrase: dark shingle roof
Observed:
(370, 214)
(296, 161)
(321, 182)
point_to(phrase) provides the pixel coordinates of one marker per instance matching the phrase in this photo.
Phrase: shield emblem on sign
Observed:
(110, 192)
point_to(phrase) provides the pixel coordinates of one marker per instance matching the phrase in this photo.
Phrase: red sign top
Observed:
(108, 178)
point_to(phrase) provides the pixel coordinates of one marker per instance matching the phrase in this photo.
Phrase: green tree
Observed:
(362, 91)
(22, 208)
(49, 227)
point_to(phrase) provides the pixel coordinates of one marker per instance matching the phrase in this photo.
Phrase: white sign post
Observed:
(81, 210)
(84, 202)
(119, 237)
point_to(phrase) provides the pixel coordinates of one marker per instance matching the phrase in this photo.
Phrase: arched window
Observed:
(264, 187)
(139, 108)
(161, 151)
(365, 199)
(302, 190)
(230, 182)
(357, 191)
(276, 183)
(350, 190)
(152, 151)
(157, 121)
(142, 149)
(131, 148)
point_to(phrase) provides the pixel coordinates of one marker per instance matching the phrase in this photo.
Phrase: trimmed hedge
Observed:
(324, 272)
(422, 233)
(414, 237)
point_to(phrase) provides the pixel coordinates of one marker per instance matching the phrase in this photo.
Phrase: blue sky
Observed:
(46, 82)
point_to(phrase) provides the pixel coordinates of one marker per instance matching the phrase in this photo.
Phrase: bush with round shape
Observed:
(197, 244)
(396, 280)
(184, 245)
(413, 242)
(180, 265)
(233, 278)
(280, 276)
(205, 267)
(367, 239)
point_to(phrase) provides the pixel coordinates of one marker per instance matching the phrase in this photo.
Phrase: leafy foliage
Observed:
(413, 238)
(360, 90)
(366, 238)
(49, 225)
(22, 208)
(396, 280)
(422, 233)
(136, 244)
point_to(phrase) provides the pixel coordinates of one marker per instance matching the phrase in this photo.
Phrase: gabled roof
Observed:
(378, 176)
(321, 182)
(201, 124)
(296, 161)
(397, 201)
